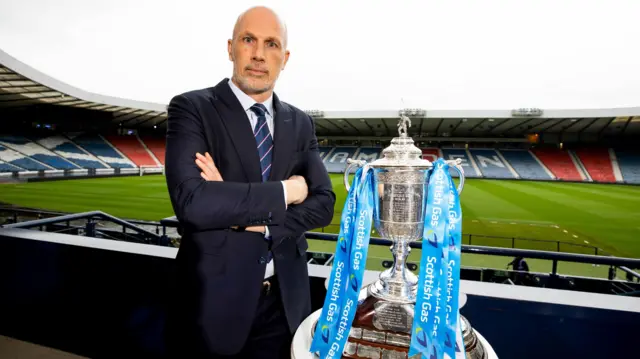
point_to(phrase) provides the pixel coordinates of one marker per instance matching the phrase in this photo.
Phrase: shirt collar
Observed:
(246, 101)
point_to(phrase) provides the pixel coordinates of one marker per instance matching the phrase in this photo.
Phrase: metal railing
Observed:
(556, 254)
(467, 238)
(512, 242)
(554, 257)
(40, 214)
(90, 228)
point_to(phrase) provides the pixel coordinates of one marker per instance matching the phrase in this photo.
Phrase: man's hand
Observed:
(210, 173)
(297, 189)
(209, 170)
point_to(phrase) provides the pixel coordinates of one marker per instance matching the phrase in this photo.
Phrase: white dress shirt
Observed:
(246, 102)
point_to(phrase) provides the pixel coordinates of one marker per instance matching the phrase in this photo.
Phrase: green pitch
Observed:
(572, 217)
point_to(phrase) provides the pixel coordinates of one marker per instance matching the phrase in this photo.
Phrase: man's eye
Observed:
(272, 44)
(246, 39)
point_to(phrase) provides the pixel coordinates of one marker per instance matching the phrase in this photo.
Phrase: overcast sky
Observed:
(346, 55)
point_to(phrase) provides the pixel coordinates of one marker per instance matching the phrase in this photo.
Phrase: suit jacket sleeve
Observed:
(317, 209)
(203, 205)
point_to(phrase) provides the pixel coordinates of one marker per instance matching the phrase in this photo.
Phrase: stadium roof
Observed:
(22, 85)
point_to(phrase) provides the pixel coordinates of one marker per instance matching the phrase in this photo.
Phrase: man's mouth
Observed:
(256, 72)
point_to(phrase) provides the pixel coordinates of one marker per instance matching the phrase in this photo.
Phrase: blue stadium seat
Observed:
(66, 149)
(629, 163)
(37, 152)
(336, 162)
(525, 165)
(324, 151)
(6, 167)
(12, 157)
(455, 153)
(490, 163)
(101, 149)
(369, 154)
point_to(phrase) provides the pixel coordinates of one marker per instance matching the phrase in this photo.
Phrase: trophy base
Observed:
(381, 329)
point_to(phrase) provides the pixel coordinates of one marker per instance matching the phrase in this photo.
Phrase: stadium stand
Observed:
(560, 163)
(36, 152)
(17, 159)
(369, 154)
(526, 165)
(131, 147)
(95, 145)
(156, 145)
(324, 151)
(336, 160)
(85, 151)
(431, 154)
(66, 149)
(6, 167)
(470, 168)
(490, 164)
(597, 162)
(629, 162)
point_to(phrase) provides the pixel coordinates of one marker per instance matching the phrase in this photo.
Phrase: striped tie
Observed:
(263, 140)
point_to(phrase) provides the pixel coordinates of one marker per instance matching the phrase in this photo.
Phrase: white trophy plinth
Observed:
(303, 336)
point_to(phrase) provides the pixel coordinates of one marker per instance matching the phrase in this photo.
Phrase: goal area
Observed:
(148, 170)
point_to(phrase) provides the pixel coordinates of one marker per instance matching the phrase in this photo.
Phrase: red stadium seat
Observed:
(431, 154)
(559, 162)
(597, 161)
(156, 145)
(133, 149)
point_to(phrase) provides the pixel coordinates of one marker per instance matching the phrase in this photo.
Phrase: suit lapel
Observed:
(283, 145)
(283, 141)
(239, 130)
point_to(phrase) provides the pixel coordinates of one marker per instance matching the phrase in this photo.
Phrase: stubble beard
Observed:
(251, 86)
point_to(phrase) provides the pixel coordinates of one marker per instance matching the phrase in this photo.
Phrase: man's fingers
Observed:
(213, 166)
(202, 159)
(206, 164)
(206, 159)
(206, 169)
(208, 156)
(201, 165)
(204, 174)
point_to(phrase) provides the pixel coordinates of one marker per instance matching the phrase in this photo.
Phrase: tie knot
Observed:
(259, 109)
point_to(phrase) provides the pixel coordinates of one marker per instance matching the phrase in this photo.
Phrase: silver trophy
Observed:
(383, 321)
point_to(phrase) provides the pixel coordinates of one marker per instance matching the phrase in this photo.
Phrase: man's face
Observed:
(258, 52)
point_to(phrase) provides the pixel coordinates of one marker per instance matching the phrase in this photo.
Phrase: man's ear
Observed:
(229, 46)
(286, 59)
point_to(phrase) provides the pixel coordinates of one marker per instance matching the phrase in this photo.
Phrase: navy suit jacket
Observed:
(219, 271)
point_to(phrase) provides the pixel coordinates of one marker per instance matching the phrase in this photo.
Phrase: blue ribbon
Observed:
(436, 320)
(341, 301)
(325, 328)
(439, 276)
(454, 227)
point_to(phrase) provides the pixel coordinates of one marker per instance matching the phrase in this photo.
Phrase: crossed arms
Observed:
(202, 204)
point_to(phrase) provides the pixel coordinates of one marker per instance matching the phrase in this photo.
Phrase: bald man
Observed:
(246, 181)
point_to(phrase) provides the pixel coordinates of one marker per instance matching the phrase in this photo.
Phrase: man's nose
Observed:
(258, 52)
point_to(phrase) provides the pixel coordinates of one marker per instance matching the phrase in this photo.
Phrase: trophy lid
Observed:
(402, 152)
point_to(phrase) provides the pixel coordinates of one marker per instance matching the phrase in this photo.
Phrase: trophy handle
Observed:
(457, 165)
(351, 163)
